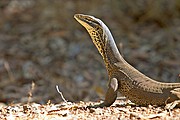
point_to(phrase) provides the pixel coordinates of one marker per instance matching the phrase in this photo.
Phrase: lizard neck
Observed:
(103, 40)
(111, 53)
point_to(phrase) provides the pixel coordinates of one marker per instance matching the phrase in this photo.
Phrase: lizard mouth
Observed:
(87, 21)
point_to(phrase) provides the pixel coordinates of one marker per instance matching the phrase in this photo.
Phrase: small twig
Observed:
(57, 88)
(30, 92)
(8, 69)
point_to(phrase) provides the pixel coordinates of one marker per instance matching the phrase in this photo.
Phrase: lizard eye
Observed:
(91, 22)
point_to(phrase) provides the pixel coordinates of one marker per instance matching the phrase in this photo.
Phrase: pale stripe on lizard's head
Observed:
(95, 28)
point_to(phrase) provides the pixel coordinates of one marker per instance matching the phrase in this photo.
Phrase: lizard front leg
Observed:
(111, 93)
(110, 96)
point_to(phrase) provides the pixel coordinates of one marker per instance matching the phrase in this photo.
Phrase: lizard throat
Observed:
(99, 40)
(102, 39)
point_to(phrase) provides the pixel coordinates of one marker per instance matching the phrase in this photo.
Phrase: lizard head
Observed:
(96, 29)
(89, 22)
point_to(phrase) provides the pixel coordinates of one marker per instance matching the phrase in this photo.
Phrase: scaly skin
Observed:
(124, 78)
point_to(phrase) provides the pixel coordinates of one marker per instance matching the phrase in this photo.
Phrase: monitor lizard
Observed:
(123, 77)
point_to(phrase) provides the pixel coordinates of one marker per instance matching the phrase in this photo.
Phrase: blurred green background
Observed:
(42, 45)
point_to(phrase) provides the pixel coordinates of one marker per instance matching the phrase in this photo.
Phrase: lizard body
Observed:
(124, 78)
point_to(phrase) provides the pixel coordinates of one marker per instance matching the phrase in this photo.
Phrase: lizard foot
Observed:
(101, 105)
(172, 105)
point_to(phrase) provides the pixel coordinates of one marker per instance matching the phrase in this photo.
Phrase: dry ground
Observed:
(80, 111)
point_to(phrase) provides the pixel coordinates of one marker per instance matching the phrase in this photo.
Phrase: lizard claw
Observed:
(101, 105)
(172, 105)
